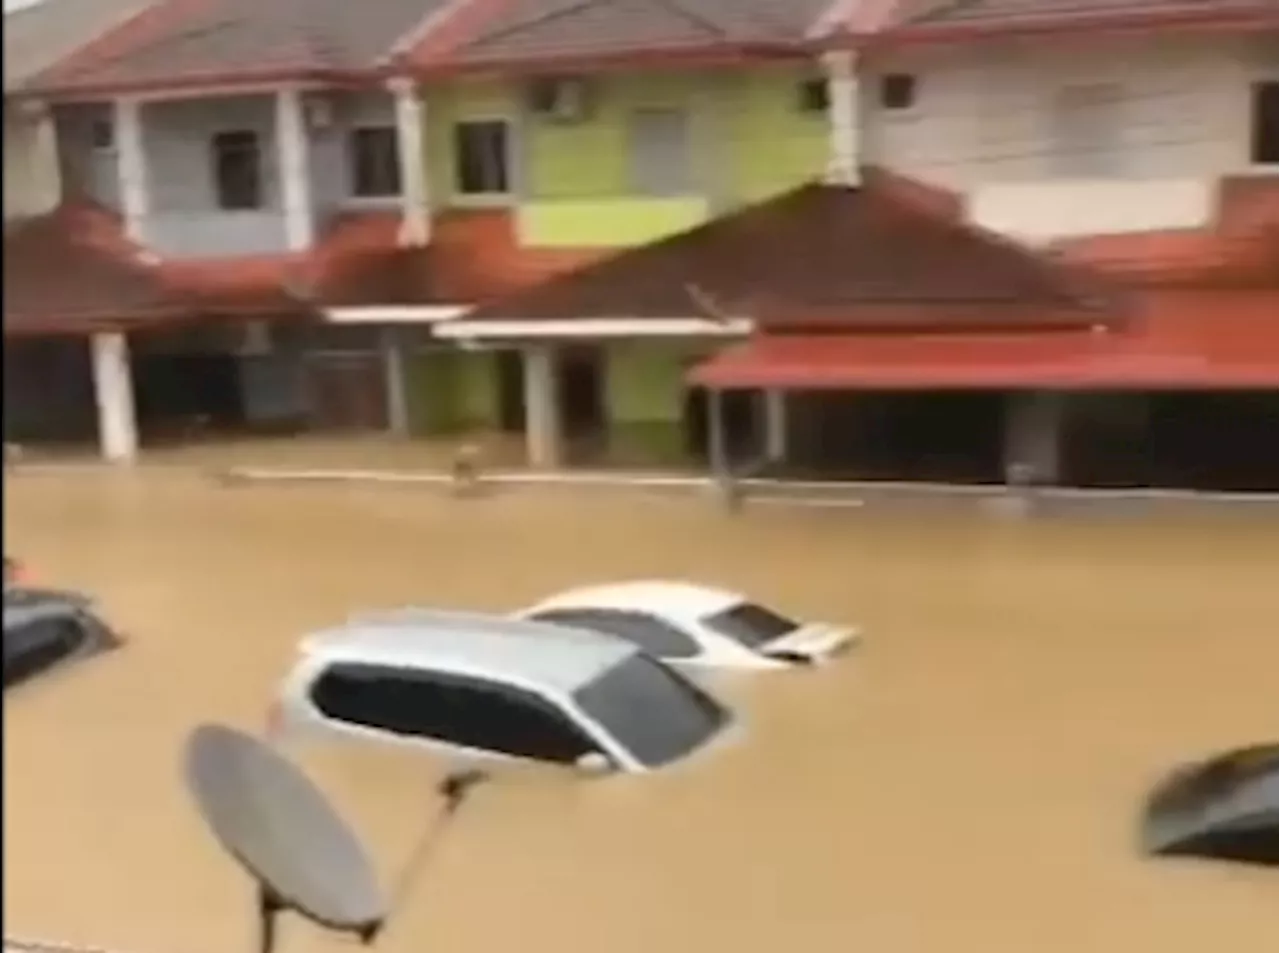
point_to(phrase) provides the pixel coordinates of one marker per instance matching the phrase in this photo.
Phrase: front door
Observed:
(347, 392)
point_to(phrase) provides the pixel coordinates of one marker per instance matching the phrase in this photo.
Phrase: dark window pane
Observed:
(374, 162)
(1262, 149)
(651, 634)
(656, 715)
(814, 95)
(750, 624)
(31, 648)
(898, 91)
(480, 157)
(469, 713)
(237, 170)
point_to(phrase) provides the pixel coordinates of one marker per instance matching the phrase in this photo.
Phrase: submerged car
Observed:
(43, 628)
(491, 690)
(686, 624)
(1222, 808)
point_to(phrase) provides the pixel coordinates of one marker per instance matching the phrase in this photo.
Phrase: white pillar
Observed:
(415, 194)
(295, 170)
(543, 435)
(775, 425)
(842, 118)
(131, 168)
(113, 392)
(394, 379)
(1033, 436)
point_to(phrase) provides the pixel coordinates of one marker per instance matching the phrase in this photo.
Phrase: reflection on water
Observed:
(967, 780)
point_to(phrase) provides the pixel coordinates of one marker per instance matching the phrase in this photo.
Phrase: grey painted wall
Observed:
(184, 219)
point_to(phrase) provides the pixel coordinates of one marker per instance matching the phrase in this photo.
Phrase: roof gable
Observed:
(819, 256)
(183, 42)
(530, 31)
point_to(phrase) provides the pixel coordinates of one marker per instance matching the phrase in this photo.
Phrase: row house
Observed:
(328, 196)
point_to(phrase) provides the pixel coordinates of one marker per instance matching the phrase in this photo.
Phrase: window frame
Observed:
(636, 179)
(1088, 162)
(510, 152)
(217, 154)
(558, 617)
(568, 715)
(353, 137)
(907, 83)
(1257, 84)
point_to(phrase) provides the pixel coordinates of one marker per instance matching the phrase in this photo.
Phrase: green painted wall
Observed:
(645, 398)
(750, 140)
(451, 391)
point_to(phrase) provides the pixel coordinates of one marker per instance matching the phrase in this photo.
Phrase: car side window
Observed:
(34, 646)
(639, 628)
(468, 712)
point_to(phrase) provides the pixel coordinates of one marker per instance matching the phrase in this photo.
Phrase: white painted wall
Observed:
(984, 123)
(31, 184)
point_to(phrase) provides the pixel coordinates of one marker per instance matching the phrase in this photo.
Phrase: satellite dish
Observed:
(282, 830)
(1223, 808)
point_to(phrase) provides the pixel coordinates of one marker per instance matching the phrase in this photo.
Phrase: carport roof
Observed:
(824, 258)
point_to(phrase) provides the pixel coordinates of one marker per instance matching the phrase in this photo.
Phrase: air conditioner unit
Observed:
(318, 112)
(255, 339)
(563, 100)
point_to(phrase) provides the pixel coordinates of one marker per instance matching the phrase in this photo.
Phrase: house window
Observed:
(897, 91)
(102, 135)
(374, 162)
(1262, 124)
(237, 170)
(482, 157)
(660, 154)
(814, 96)
(1087, 139)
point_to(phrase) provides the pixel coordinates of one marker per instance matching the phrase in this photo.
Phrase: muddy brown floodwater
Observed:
(967, 781)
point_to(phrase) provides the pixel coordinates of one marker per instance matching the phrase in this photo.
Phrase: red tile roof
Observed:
(1183, 340)
(356, 263)
(824, 257)
(176, 43)
(72, 267)
(1239, 249)
(578, 34)
(968, 19)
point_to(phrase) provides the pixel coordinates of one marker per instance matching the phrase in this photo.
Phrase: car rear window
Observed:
(654, 713)
(750, 624)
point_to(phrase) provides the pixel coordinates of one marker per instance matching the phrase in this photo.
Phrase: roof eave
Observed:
(1183, 20)
(702, 55)
(72, 91)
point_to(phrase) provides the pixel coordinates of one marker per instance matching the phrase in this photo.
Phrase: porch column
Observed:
(1033, 437)
(775, 425)
(394, 379)
(717, 445)
(543, 435)
(293, 154)
(842, 118)
(415, 195)
(131, 167)
(113, 392)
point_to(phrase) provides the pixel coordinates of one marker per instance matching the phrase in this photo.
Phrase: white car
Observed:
(686, 624)
(492, 690)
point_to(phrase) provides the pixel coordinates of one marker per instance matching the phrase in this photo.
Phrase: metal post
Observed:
(718, 452)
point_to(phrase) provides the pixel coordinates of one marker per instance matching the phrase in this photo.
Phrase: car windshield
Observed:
(752, 625)
(654, 713)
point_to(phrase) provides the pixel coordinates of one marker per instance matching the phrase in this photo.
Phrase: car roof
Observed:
(679, 599)
(24, 603)
(509, 650)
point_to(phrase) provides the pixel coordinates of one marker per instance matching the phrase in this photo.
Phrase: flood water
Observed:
(968, 780)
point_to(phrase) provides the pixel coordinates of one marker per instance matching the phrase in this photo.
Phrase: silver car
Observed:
(487, 689)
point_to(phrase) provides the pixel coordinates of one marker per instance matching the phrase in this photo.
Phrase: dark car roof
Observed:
(24, 603)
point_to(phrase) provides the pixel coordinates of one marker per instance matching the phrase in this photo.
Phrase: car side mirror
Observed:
(594, 764)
